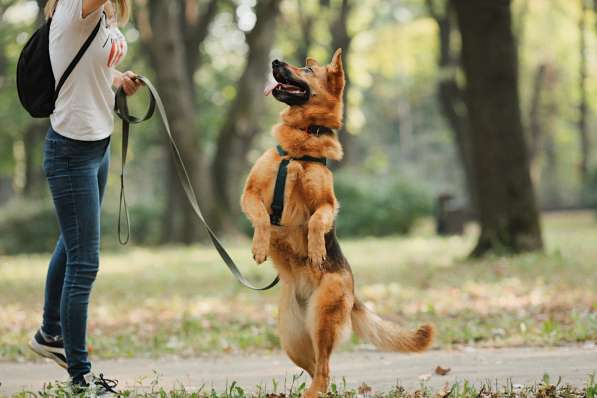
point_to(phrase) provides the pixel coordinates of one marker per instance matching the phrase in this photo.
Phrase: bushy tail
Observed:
(386, 335)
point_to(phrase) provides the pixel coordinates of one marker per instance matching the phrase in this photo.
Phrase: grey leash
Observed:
(121, 109)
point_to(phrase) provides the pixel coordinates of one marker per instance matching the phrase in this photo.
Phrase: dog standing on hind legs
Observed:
(289, 198)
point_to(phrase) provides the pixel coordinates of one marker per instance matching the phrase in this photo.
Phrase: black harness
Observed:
(280, 187)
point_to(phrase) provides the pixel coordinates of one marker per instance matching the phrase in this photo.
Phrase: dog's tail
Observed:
(386, 335)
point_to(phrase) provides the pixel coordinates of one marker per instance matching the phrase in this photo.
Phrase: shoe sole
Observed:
(42, 351)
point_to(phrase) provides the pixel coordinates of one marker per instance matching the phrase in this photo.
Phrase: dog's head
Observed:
(312, 85)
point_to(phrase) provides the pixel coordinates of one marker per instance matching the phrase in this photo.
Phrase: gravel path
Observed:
(379, 370)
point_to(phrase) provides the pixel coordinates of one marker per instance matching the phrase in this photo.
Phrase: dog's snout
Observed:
(276, 63)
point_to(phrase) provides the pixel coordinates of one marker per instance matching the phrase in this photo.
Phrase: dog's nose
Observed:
(276, 63)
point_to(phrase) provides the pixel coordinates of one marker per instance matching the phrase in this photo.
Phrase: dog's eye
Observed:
(308, 69)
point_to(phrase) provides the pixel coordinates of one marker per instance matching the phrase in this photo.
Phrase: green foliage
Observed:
(30, 226)
(590, 190)
(27, 226)
(379, 206)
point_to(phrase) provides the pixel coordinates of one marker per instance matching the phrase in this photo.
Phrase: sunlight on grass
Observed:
(182, 301)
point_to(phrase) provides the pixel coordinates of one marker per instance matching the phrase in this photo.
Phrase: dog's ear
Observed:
(311, 62)
(337, 60)
(336, 74)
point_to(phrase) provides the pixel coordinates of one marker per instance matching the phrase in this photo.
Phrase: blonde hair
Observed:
(122, 7)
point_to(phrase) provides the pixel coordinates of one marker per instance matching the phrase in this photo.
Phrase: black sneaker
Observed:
(49, 347)
(92, 386)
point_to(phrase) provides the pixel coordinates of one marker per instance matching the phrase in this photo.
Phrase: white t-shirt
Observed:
(85, 102)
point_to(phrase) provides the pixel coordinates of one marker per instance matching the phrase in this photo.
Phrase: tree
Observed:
(241, 124)
(174, 55)
(508, 213)
(341, 38)
(306, 21)
(536, 125)
(583, 107)
(450, 94)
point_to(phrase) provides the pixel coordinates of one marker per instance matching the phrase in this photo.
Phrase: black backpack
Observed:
(35, 80)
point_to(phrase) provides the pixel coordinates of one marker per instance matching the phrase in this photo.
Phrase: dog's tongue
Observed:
(270, 87)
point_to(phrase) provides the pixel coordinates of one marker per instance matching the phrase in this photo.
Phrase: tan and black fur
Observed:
(318, 306)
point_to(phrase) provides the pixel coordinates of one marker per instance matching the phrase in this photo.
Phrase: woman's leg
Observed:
(54, 281)
(73, 179)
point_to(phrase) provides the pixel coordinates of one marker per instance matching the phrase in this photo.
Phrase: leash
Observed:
(121, 110)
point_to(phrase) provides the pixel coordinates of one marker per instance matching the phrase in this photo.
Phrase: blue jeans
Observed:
(77, 172)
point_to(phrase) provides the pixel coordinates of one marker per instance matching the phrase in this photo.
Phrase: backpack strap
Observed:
(77, 58)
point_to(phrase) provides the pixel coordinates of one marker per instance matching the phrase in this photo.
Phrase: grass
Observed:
(180, 301)
(544, 389)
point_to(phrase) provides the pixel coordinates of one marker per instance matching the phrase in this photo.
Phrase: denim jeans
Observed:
(77, 172)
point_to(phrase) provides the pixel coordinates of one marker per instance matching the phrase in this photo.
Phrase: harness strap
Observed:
(280, 187)
(122, 111)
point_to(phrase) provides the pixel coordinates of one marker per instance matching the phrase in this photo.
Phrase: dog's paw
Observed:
(317, 255)
(259, 252)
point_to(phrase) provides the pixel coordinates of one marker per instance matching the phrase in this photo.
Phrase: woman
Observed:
(76, 160)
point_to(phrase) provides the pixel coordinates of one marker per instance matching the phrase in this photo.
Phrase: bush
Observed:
(369, 207)
(589, 194)
(28, 226)
(379, 206)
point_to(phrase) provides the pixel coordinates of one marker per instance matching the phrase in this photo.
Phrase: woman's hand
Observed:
(128, 81)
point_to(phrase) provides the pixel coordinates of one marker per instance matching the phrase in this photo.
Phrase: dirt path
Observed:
(379, 370)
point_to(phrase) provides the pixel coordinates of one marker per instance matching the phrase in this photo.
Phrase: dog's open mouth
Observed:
(287, 89)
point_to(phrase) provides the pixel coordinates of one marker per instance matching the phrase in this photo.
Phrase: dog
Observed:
(318, 307)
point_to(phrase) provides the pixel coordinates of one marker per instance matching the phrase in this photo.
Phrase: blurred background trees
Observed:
(491, 104)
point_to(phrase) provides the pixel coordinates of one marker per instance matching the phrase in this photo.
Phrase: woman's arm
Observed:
(89, 6)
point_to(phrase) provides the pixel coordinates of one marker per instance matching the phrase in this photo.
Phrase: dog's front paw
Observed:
(260, 250)
(317, 253)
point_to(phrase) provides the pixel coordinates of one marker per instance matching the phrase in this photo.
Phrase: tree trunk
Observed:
(169, 59)
(583, 107)
(451, 97)
(506, 202)
(342, 39)
(536, 126)
(242, 121)
(306, 22)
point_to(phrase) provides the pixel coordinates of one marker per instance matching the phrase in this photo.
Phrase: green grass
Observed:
(182, 301)
(544, 389)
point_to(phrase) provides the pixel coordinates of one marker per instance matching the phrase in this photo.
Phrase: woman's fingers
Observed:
(130, 86)
(129, 83)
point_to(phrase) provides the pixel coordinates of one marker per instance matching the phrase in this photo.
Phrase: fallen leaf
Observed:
(364, 389)
(442, 371)
(444, 392)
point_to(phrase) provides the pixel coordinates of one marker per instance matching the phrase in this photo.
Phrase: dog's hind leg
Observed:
(329, 322)
(294, 336)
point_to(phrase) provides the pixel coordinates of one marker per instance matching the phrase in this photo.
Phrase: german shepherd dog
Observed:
(318, 306)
